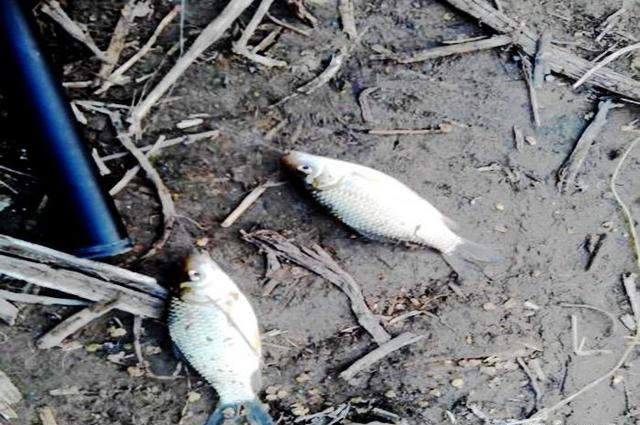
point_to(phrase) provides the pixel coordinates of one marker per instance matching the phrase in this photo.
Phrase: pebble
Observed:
(489, 306)
(135, 371)
(617, 379)
(194, 396)
(303, 377)
(390, 394)
(435, 392)
(531, 140)
(457, 383)
(298, 409)
(499, 206)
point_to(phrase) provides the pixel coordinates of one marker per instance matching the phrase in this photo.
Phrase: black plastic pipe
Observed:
(82, 218)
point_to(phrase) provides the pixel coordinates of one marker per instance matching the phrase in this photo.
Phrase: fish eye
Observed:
(305, 169)
(194, 275)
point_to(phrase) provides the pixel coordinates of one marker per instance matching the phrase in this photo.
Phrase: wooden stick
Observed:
(533, 98)
(186, 139)
(318, 261)
(365, 108)
(76, 322)
(117, 76)
(133, 171)
(609, 23)
(379, 353)
(8, 312)
(81, 285)
(39, 299)
(613, 56)
(118, 38)
(241, 47)
(164, 195)
(348, 18)
(288, 26)
(568, 172)
(60, 260)
(266, 42)
(532, 379)
(248, 201)
(53, 9)
(440, 129)
(207, 37)
(453, 49)
(560, 60)
(9, 394)
(540, 69)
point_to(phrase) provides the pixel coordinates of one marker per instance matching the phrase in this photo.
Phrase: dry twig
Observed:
(133, 171)
(559, 59)
(164, 195)
(117, 76)
(76, 322)
(439, 52)
(241, 47)
(568, 172)
(59, 260)
(541, 69)
(248, 201)
(609, 316)
(207, 37)
(365, 108)
(613, 56)
(609, 23)
(53, 9)
(348, 18)
(533, 98)
(379, 353)
(39, 299)
(532, 379)
(9, 394)
(8, 312)
(321, 263)
(439, 129)
(81, 285)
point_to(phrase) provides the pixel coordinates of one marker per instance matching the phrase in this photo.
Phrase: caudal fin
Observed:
(251, 412)
(468, 259)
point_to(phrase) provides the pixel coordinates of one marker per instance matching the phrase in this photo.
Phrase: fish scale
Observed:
(214, 348)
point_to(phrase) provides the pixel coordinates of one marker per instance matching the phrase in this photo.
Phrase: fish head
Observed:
(317, 172)
(206, 278)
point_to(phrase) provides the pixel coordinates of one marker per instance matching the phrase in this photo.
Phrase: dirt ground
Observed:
(466, 366)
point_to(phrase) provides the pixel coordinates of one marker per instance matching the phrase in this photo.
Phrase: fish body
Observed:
(381, 207)
(215, 328)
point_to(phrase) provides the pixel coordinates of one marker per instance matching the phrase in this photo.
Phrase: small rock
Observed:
(435, 392)
(531, 140)
(390, 394)
(303, 377)
(510, 303)
(457, 383)
(202, 242)
(447, 16)
(271, 389)
(283, 394)
(530, 305)
(116, 332)
(135, 371)
(489, 306)
(499, 206)
(298, 409)
(194, 396)
(152, 350)
(500, 228)
(617, 379)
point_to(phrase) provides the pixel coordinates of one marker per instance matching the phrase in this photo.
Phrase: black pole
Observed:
(82, 217)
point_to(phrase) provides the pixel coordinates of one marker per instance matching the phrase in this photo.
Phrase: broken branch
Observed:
(568, 172)
(348, 18)
(379, 353)
(560, 60)
(241, 47)
(321, 263)
(74, 323)
(9, 394)
(248, 201)
(454, 49)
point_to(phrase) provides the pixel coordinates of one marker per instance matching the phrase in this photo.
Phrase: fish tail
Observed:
(475, 253)
(253, 411)
(467, 259)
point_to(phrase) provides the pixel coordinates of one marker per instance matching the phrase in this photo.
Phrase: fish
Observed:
(380, 207)
(214, 327)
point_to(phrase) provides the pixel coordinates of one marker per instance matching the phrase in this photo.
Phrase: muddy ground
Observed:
(516, 311)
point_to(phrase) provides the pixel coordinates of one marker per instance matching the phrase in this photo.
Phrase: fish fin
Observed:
(468, 258)
(252, 412)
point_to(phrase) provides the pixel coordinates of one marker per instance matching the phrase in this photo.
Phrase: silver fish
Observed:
(213, 325)
(380, 207)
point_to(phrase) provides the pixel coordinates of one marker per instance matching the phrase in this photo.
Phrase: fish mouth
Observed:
(292, 159)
